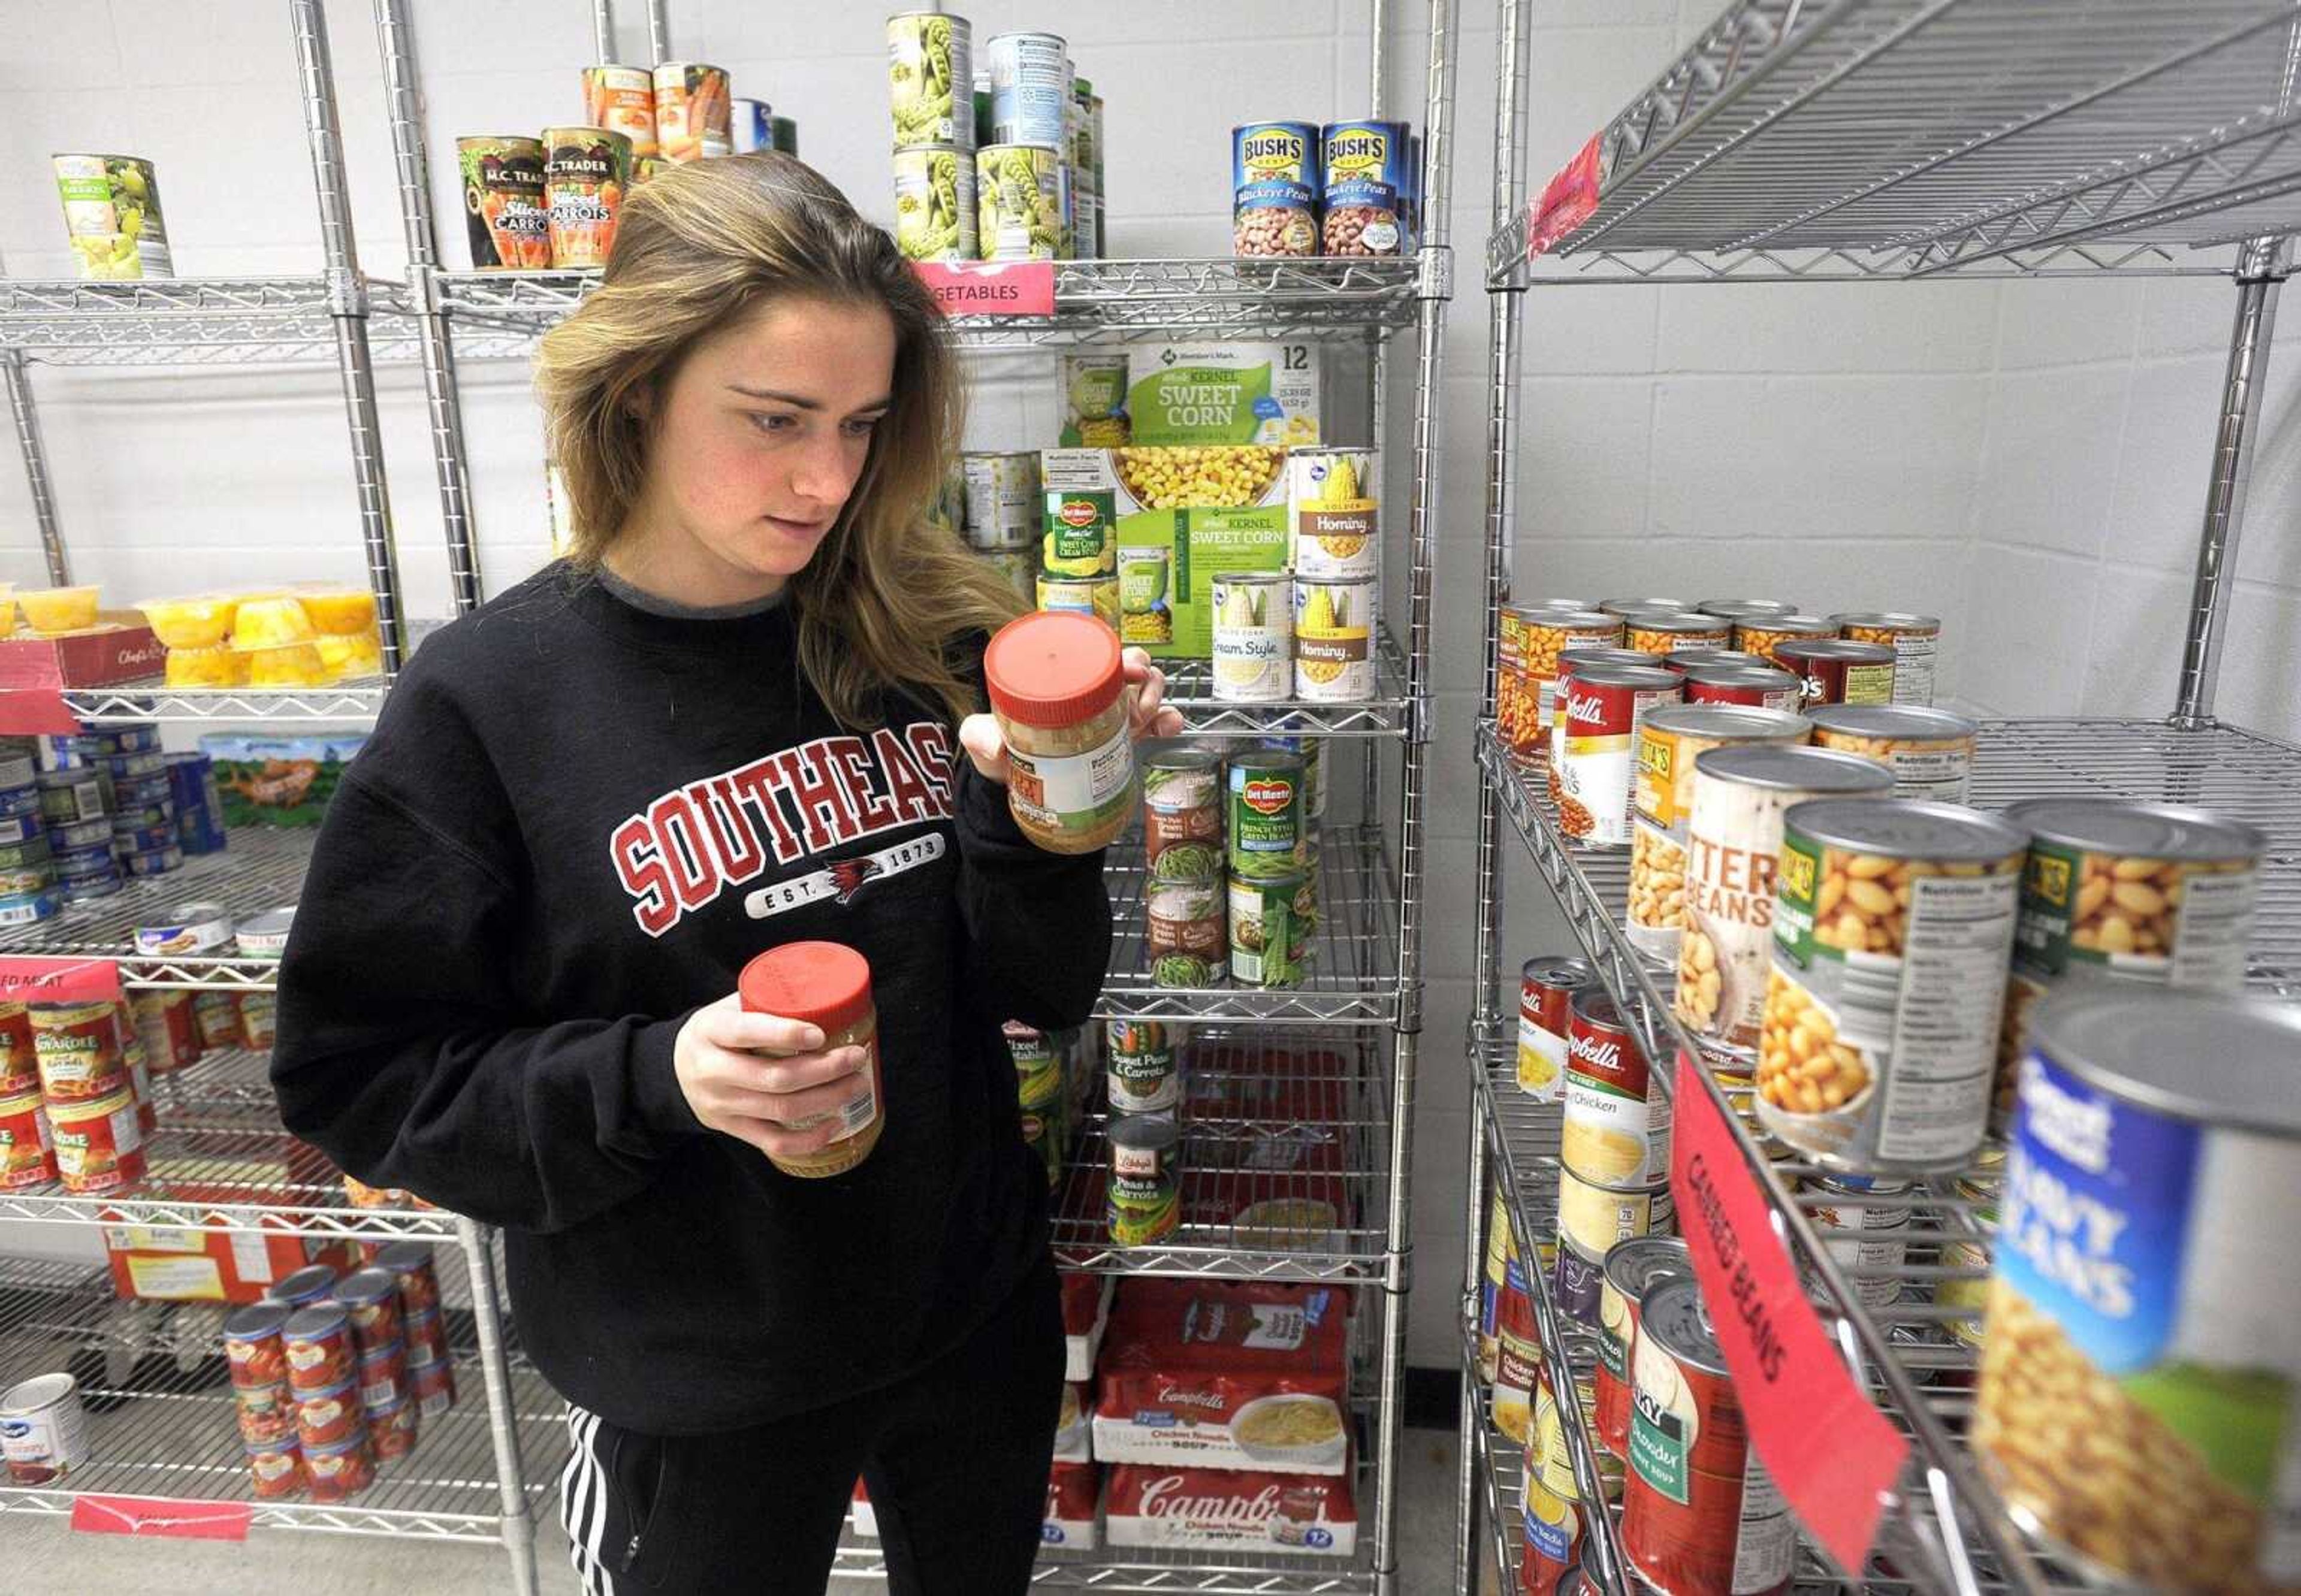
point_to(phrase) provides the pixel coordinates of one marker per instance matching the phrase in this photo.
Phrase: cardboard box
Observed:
(165, 1264)
(1074, 1497)
(1196, 541)
(119, 648)
(1205, 1509)
(1086, 1311)
(1202, 393)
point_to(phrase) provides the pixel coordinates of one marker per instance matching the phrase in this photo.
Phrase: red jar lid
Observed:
(826, 984)
(1055, 668)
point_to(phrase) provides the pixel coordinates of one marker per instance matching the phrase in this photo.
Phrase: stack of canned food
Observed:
(333, 1375)
(81, 812)
(1230, 851)
(1345, 189)
(75, 1097)
(1003, 165)
(1144, 1091)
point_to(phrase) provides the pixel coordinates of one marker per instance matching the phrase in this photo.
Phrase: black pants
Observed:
(956, 1458)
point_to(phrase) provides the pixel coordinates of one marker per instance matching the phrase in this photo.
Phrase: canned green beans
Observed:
(1271, 924)
(1267, 816)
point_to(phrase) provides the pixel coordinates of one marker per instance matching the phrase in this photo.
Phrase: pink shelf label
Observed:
(35, 712)
(1567, 202)
(1833, 1455)
(991, 287)
(161, 1515)
(27, 979)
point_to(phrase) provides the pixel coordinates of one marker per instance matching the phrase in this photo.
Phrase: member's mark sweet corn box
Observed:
(1183, 516)
(1228, 393)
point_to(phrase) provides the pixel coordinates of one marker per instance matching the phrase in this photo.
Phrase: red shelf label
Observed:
(1833, 1455)
(1567, 202)
(25, 979)
(991, 287)
(35, 712)
(161, 1515)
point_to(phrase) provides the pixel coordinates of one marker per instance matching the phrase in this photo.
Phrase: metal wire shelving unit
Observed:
(1802, 140)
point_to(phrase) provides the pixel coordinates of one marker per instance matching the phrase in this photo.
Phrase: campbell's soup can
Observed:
(1915, 640)
(1700, 1515)
(1547, 987)
(1571, 660)
(693, 112)
(1551, 1516)
(1634, 1267)
(586, 173)
(1758, 686)
(622, 100)
(1616, 1128)
(1601, 710)
(1832, 670)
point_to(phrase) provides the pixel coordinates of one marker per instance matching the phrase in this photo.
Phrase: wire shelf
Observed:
(1275, 1129)
(179, 321)
(1190, 689)
(1940, 135)
(161, 1413)
(361, 699)
(1354, 978)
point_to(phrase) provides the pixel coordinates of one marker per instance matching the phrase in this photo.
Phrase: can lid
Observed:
(1760, 676)
(1727, 720)
(1686, 622)
(313, 1321)
(1143, 1132)
(1893, 620)
(368, 1285)
(1617, 607)
(305, 1284)
(404, 1258)
(1593, 1005)
(1177, 755)
(1650, 674)
(2143, 831)
(1891, 720)
(1813, 626)
(1673, 1317)
(394, 1348)
(41, 1390)
(1575, 659)
(1692, 659)
(2202, 1055)
(825, 984)
(1858, 654)
(1585, 616)
(258, 1321)
(1053, 669)
(1735, 609)
(1907, 829)
(1637, 1264)
(1819, 770)
(1558, 970)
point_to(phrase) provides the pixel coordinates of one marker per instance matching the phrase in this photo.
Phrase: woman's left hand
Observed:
(980, 736)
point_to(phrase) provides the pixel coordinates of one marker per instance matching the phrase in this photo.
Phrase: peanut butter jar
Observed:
(827, 985)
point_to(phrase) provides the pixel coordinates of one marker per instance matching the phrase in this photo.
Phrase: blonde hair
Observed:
(888, 600)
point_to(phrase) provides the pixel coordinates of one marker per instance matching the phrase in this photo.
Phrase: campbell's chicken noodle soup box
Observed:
(504, 209)
(1662, 804)
(1601, 712)
(28, 1154)
(622, 100)
(1233, 1376)
(1700, 1515)
(587, 172)
(1547, 987)
(1915, 640)
(99, 1143)
(1215, 1509)
(1086, 1313)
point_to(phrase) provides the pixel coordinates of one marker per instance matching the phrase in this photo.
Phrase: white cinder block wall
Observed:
(2026, 461)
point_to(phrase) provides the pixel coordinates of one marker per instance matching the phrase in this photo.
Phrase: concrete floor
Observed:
(42, 1554)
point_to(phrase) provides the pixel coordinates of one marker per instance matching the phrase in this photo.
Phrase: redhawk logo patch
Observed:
(840, 880)
(850, 874)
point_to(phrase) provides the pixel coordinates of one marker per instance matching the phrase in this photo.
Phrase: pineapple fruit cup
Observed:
(49, 611)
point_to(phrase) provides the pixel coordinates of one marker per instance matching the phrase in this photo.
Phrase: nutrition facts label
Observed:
(2216, 912)
(1945, 1019)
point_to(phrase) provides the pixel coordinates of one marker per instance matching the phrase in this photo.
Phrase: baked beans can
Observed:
(1272, 921)
(1634, 1267)
(1574, 1282)
(111, 215)
(1144, 1075)
(1334, 513)
(1253, 636)
(1547, 988)
(1333, 640)
(1031, 87)
(1744, 609)
(434, 1386)
(266, 1413)
(2127, 891)
(1022, 196)
(327, 1416)
(99, 1142)
(276, 1470)
(692, 114)
(1863, 1221)
(1187, 931)
(43, 1429)
(1662, 632)
(1893, 929)
(1616, 1126)
(342, 1471)
(2139, 1399)
(1600, 712)
(1518, 1346)
(1490, 1287)
(1182, 813)
(1915, 640)
(1363, 200)
(622, 100)
(1930, 751)
(1274, 186)
(1762, 635)
(1266, 814)
(1526, 661)
(586, 173)
(1570, 661)
(931, 78)
(1832, 670)
(28, 1154)
(1669, 740)
(935, 209)
(317, 1340)
(503, 211)
(1700, 1515)
(313, 1283)
(1733, 833)
(1144, 1204)
(252, 1346)
(371, 1297)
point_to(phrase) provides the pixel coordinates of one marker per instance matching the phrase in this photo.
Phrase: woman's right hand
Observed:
(786, 1103)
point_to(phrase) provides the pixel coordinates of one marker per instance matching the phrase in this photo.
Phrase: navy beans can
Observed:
(1274, 171)
(1366, 186)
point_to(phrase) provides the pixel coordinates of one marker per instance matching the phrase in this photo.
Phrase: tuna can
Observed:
(586, 173)
(265, 935)
(1186, 936)
(929, 78)
(505, 218)
(1744, 609)
(80, 836)
(1272, 919)
(23, 825)
(1930, 751)
(1030, 87)
(1022, 193)
(1274, 185)
(1145, 1206)
(1600, 715)
(17, 771)
(622, 100)
(43, 1429)
(100, 1144)
(1547, 988)
(1760, 635)
(1733, 833)
(276, 1470)
(1333, 640)
(1669, 740)
(1334, 511)
(1253, 637)
(1616, 1126)
(266, 1413)
(1915, 640)
(89, 888)
(2139, 1399)
(317, 1338)
(1363, 201)
(325, 1416)
(1183, 806)
(1096, 596)
(64, 751)
(20, 881)
(1862, 1219)
(1574, 1282)
(935, 209)
(111, 214)
(252, 1346)
(158, 861)
(199, 807)
(1627, 607)
(751, 127)
(1634, 1269)
(1893, 928)
(1265, 815)
(1836, 672)
(691, 114)
(1663, 632)
(1144, 1078)
(342, 1471)
(1517, 1357)
(28, 1154)
(1080, 535)
(184, 928)
(1700, 1516)
(2117, 890)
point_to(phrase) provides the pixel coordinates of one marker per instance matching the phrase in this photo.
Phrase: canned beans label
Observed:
(1923, 767)
(2170, 920)
(1913, 659)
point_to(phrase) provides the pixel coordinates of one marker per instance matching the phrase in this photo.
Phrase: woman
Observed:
(725, 722)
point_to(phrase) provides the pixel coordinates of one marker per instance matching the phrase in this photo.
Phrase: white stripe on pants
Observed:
(583, 1487)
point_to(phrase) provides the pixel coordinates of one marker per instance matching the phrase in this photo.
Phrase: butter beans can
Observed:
(1547, 988)
(1915, 640)
(1333, 640)
(1669, 740)
(1893, 928)
(1600, 715)
(1930, 751)
(2139, 1399)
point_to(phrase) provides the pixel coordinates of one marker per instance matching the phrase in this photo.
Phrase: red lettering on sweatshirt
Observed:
(639, 865)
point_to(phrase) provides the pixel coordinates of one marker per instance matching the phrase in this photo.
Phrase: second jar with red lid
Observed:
(828, 985)
(1057, 684)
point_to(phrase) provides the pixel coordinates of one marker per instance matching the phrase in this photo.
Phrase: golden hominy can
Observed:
(1333, 640)
(1334, 513)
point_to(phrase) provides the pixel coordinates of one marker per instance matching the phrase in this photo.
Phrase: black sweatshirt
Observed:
(576, 823)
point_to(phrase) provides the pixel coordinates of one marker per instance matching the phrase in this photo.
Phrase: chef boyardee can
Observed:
(1143, 1202)
(1142, 1075)
(1265, 815)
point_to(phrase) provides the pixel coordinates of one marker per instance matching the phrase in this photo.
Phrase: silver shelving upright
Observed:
(1368, 978)
(1815, 140)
